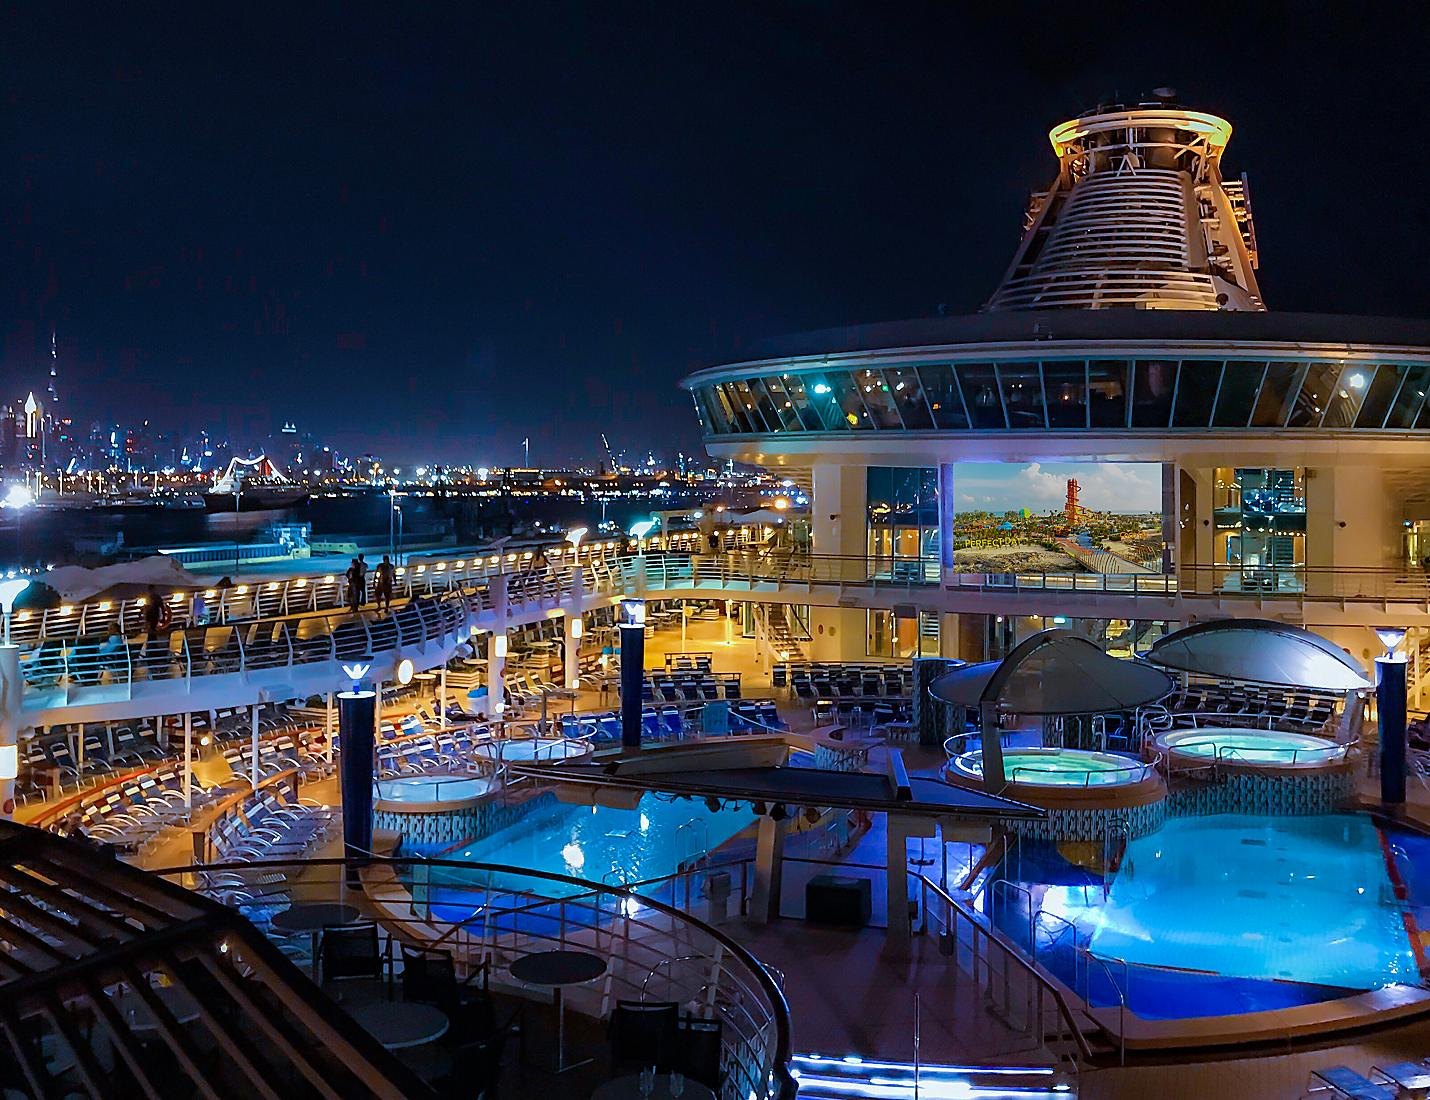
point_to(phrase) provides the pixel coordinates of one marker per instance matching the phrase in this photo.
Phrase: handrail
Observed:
(782, 1085)
(1088, 955)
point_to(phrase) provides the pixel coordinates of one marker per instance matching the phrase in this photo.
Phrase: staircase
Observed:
(777, 635)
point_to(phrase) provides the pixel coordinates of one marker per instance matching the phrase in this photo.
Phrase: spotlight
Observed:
(759, 808)
(712, 804)
(779, 813)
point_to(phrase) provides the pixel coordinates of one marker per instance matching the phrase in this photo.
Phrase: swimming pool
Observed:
(1057, 767)
(1248, 905)
(1249, 747)
(607, 845)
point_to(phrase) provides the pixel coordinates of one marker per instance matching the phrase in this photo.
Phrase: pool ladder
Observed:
(1118, 827)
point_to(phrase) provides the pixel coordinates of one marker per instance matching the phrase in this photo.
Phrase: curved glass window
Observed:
(1378, 396)
(878, 401)
(1196, 393)
(797, 390)
(944, 399)
(1410, 399)
(1240, 383)
(1107, 388)
(1065, 385)
(1153, 385)
(1278, 392)
(851, 403)
(1346, 398)
(1023, 395)
(766, 406)
(740, 416)
(1315, 395)
(907, 391)
(979, 382)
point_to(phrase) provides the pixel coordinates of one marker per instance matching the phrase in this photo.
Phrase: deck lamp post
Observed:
(1390, 705)
(632, 627)
(10, 590)
(357, 729)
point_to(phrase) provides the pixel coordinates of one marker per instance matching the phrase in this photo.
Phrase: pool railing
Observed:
(699, 965)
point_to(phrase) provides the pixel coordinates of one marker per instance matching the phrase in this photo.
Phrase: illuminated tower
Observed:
(54, 374)
(1072, 507)
(1138, 217)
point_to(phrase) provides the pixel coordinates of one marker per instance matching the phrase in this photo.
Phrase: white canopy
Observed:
(1260, 651)
(75, 583)
(1054, 672)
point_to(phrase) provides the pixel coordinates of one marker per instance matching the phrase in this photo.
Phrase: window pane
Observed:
(1315, 393)
(877, 400)
(715, 422)
(1152, 389)
(739, 414)
(908, 394)
(1023, 395)
(824, 398)
(945, 402)
(1347, 396)
(1107, 393)
(1410, 400)
(1196, 393)
(746, 400)
(765, 405)
(1065, 385)
(980, 387)
(1240, 383)
(1378, 396)
(1277, 393)
(851, 404)
(797, 387)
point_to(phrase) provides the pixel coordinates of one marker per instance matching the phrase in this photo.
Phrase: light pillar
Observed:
(991, 742)
(632, 671)
(946, 510)
(442, 697)
(1390, 707)
(330, 730)
(357, 726)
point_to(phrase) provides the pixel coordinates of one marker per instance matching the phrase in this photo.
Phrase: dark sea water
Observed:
(40, 535)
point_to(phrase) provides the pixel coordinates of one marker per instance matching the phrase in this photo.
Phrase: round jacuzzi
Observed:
(1245, 747)
(1034, 767)
(1082, 790)
(528, 749)
(427, 793)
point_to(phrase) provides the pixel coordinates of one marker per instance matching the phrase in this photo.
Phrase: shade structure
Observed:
(1262, 652)
(131, 578)
(1054, 672)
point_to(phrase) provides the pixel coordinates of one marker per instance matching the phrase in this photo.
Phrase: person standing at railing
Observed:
(357, 584)
(384, 577)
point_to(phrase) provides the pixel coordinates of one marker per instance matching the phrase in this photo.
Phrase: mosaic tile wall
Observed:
(1319, 792)
(1061, 825)
(933, 722)
(830, 759)
(448, 827)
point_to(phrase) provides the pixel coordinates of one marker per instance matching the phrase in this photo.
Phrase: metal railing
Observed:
(511, 912)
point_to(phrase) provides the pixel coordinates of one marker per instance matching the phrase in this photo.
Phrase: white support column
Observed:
(496, 674)
(12, 692)
(442, 697)
(896, 875)
(684, 618)
(331, 730)
(946, 509)
(769, 869)
(575, 629)
(253, 761)
(188, 760)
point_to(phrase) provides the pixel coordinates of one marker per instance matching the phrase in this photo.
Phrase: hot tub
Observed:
(1244, 747)
(1058, 768)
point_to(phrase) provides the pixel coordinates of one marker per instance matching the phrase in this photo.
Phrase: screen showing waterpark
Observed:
(1064, 517)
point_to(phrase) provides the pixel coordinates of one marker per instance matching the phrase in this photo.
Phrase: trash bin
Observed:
(716, 892)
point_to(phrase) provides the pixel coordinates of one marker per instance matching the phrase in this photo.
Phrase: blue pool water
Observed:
(606, 845)
(1228, 913)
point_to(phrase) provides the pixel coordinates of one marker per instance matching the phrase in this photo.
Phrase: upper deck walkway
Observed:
(290, 637)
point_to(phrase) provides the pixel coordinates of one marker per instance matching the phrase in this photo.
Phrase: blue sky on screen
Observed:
(1125, 487)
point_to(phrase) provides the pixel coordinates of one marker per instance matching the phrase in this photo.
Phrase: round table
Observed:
(629, 1088)
(135, 1012)
(555, 970)
(400, 1024)
(312, 917)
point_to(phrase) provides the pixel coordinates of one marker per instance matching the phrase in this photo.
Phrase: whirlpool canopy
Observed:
(1260, 651)
(1054, 672)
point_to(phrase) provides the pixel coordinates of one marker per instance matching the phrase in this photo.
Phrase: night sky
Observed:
(432, 230)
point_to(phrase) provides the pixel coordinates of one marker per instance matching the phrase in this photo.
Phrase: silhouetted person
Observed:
(354, 577)
(384, 577)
